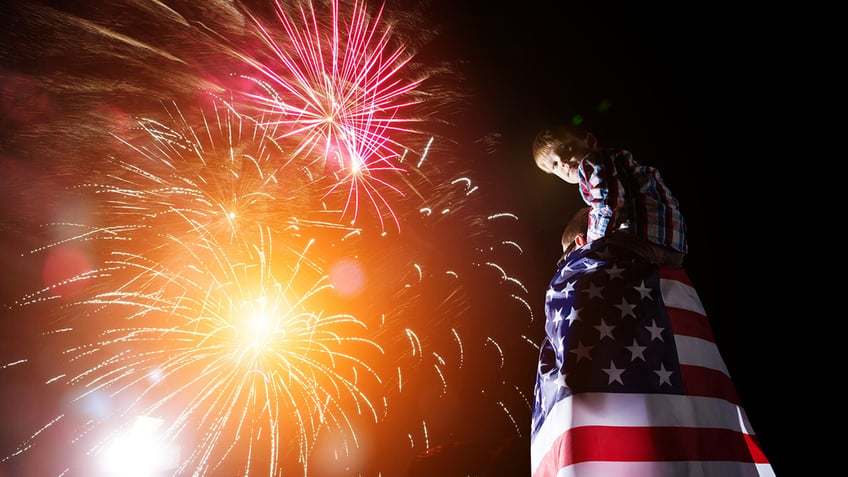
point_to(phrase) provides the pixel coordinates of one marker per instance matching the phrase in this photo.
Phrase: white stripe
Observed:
(634, 410)
(680, 295)
(765, 470)
(663, 469)
(699, 352)
(690, 350)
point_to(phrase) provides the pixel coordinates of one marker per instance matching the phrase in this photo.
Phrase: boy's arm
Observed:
(602, 190)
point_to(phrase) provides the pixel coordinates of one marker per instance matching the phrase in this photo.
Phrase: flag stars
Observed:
(560, 346)
(557, 316)
(644, 292)
(560, 380)
(553, 293)
(569, 287)
(566, 270)
(605, 330)
(656, 331)
(626, 309)
(594, 291)
(582, 351)
(636, 351)
(665, 376)
(615, 272)
(614, 373)
(573, 316)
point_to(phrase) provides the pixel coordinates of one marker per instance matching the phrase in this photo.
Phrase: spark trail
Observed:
(340, 87)
(215, 228)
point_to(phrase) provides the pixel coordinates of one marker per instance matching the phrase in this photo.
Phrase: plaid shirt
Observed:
(627, 195)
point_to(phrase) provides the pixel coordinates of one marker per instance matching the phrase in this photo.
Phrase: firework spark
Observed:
(201, 320)
(215, 302)
(221, 349)
(228, 177)
(341, 88)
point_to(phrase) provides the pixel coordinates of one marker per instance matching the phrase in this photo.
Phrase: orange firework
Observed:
(233, 301)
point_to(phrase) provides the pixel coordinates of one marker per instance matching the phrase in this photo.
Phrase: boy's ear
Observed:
(591, 141)
(580, 240)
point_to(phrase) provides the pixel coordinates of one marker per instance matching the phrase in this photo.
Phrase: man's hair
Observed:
(578, 225)
(554, 139)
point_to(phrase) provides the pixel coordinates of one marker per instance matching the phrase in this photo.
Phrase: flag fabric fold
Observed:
(630, 381)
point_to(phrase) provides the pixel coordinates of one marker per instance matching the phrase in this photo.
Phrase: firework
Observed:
(200, 320)
(233, 300)
(223, 351)
(339, 85)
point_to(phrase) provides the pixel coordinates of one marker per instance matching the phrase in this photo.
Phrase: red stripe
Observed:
(678, 274)
(756, 450)
(690, 323)
(697, 380)
(706, 382)
(648, 444)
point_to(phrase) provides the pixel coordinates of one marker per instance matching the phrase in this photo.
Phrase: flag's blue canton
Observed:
(607, 330)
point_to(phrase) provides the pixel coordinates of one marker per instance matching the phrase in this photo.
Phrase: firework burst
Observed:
(233, 290)
(339, 85)
(227, 177)
(235, 360)
(201, 320)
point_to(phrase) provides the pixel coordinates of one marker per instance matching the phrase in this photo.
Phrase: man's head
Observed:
(574, 234)
(558, 150)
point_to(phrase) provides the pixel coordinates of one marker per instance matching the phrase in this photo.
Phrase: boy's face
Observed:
(564, 161)
(564, 168)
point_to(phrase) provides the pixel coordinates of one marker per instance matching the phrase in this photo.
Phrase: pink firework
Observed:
(340, 91)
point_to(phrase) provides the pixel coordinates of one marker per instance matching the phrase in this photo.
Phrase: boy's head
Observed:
(558, 150)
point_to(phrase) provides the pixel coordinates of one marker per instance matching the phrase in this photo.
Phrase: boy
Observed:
(629, 203)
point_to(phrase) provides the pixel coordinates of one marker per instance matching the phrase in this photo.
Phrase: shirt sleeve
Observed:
(602, 191)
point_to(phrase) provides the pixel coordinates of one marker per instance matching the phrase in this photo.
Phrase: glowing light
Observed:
(211, 344)
(201, 318)
(140, 452)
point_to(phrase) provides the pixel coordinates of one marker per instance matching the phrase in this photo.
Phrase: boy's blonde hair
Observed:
(554, 139)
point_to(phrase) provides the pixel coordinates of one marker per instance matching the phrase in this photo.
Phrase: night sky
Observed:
(672, 85)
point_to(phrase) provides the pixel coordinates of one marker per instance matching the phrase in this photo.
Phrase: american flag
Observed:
(630, 381)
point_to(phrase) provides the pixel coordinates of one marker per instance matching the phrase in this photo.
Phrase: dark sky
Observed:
(672, 84)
